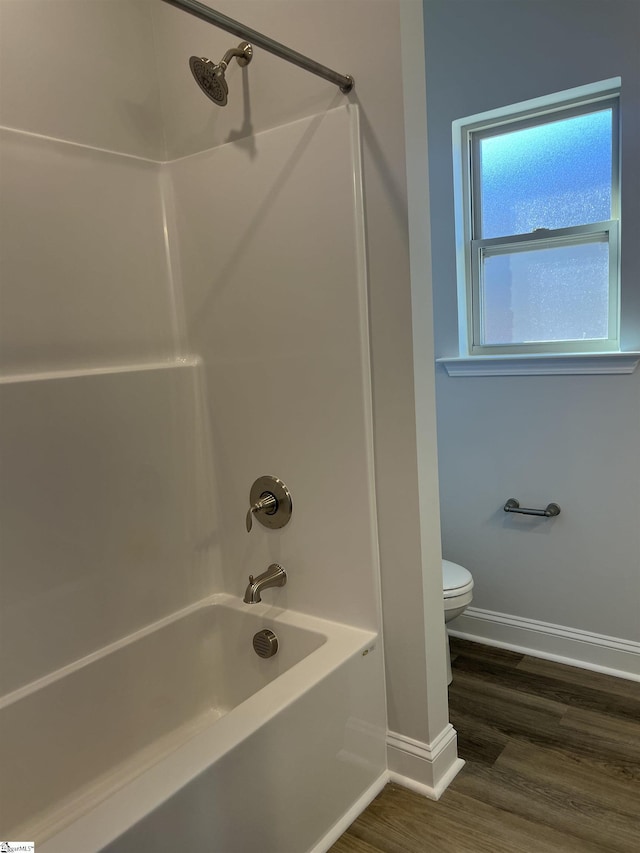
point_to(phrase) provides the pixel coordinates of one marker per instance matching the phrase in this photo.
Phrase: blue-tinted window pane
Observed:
(552, 294)
(554, 175)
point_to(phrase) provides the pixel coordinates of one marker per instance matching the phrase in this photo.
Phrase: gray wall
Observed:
(570, 439)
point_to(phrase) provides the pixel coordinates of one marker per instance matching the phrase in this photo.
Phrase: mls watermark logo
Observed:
(17, 846)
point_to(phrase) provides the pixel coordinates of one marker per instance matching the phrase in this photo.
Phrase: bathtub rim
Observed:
(292, 618)
(101, 822)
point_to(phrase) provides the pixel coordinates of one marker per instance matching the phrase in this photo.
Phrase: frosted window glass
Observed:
(551, 294)
(553, 175)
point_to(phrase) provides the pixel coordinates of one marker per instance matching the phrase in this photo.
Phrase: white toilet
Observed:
(457, 585)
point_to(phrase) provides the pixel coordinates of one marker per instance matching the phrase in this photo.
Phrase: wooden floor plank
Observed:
(480, 692)
(551, 804)
(458, 646)
(476, 741)
(613, 743)
(348, 843)
(554, 688)
(574, 775)
(509, 713)
(577, 676)
(408, 823)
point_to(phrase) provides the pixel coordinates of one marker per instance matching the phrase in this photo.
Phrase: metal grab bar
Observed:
(512, 505)
(211, 16)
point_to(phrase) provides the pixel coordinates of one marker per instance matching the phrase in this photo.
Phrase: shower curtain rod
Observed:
(199, 10)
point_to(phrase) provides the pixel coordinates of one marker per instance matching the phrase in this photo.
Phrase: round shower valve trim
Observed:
(270, 502)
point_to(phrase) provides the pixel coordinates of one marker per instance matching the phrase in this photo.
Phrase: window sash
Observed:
(543, 239)
(557, 113)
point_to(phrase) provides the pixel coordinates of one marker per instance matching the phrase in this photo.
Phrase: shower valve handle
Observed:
(267, 503)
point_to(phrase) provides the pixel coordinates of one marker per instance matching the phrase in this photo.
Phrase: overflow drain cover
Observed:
(265, 643)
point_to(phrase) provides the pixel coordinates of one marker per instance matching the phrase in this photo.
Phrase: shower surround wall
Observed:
(108, 514)
(275, 303)
(130, 457)
(270, 273)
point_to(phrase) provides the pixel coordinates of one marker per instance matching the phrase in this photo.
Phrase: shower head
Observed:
(210, 76)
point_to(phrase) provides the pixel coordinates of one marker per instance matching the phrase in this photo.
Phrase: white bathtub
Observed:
(181, 738)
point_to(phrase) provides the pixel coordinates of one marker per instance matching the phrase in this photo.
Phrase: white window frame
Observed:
(470, 251)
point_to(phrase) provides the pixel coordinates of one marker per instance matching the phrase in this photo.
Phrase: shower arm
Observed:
(199, 10)
(243, 53)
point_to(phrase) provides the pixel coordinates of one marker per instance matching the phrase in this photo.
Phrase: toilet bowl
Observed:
(457, 588)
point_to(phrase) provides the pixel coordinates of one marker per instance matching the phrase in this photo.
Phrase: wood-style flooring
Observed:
(553, 765)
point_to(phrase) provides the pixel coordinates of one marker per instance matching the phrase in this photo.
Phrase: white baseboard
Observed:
(425, 768)
(570, 646)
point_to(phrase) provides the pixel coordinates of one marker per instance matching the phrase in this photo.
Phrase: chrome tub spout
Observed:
(274, 576)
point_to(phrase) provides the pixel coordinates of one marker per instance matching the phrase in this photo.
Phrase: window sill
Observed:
(541, 364)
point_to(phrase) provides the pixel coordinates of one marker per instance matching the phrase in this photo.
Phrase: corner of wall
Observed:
(426, 768)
